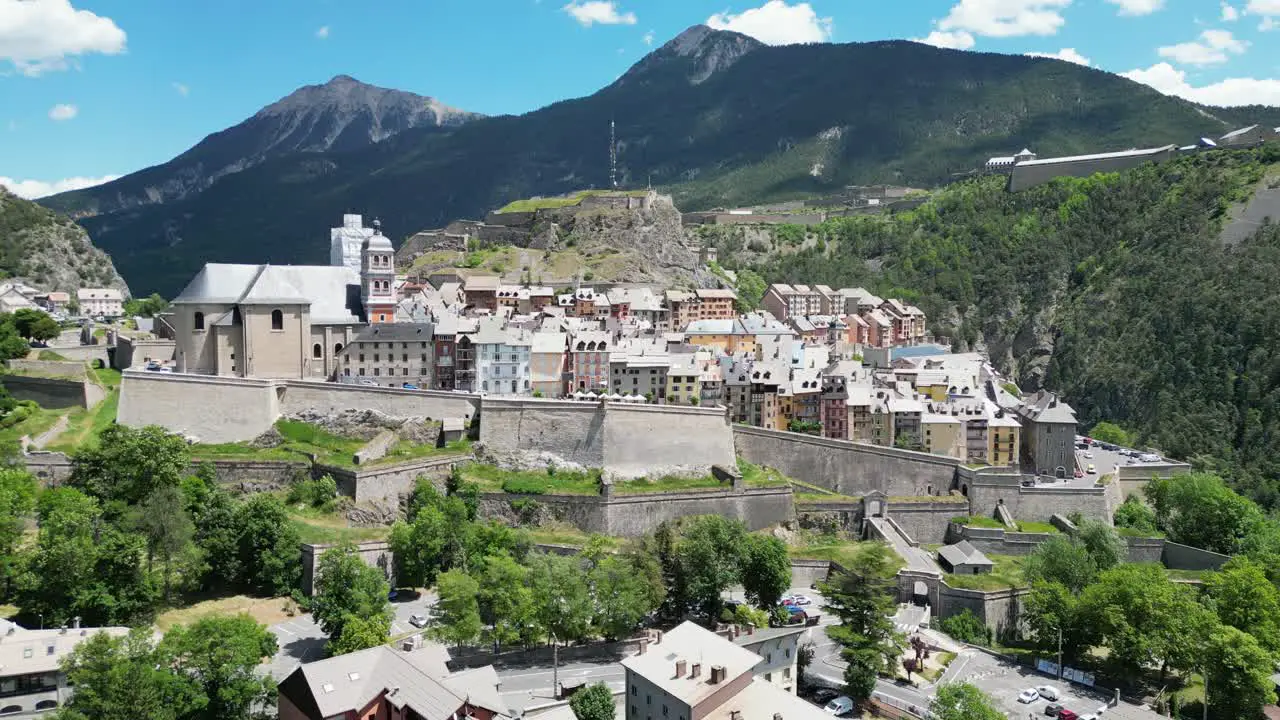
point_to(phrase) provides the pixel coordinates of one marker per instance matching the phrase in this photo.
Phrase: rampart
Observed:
(925, 519)
(387, 483)
(625, 441)
(1185, 557)
(53, 392)
(131, 351)
(375, 553)
(83, 353)
(639, 514)
(987, 489)
(326, 397)
(48, 368)
(846, 467)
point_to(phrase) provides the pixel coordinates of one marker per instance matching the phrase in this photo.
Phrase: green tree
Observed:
(561, 597)
(963, 701)
(506, 601)
(620, 598)
(863, 598)
(708, 556)
(750, 289)
(1245, 599)
(1135, 515)
(346, 589)
(1238, 675)
(162, 519)
(266, 546)
(358, 633)
(17, 503)
(1063, 560)
(1111, 433)
(459, 623)
(594, 702)
(222, 655)
(1051, 608)
(127, 678)
(217, 533)
(966, 627)
(765, 572)
(35, 324)
(1103, 544)
(146, 307)
(128, 464)
(1201, 511)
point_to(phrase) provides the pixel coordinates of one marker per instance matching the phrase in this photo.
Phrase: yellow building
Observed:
(1003, 434)
(943, 435)
(684, 381)
(726, 335)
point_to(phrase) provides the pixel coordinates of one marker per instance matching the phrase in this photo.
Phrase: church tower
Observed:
(377, 277)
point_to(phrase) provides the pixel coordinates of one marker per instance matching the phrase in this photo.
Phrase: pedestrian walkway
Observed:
(917, 559)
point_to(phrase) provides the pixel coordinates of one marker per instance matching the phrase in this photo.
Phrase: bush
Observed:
(321, 492)
(966, 627)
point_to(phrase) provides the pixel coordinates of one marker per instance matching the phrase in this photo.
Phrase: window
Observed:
(337, 348)
(404, 346)
(317, 351)
(361, 371)
(648, 699)
(768, 677)
(422, 371)
(664, 711)
(347, 372)
(10, 709)
(197, 320)
(424, 344)
(382, 317)
(786, 673)
(361, 357)
(235, 316)
(46, 704)
(424, 357)
(377, 371)
(404, 357)
(404, 371)
(277, 320)
(633, 693)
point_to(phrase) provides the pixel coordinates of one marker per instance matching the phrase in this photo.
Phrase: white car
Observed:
(1088, 455)
(418, 621)
(1028, 696)
(1048, 692)
(840, 706)
(801, 600)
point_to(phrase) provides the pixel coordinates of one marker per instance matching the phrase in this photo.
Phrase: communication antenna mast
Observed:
(613, 157)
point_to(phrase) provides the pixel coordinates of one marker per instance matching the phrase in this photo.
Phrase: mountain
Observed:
(48, 251)
(338, 116)
(713, 117)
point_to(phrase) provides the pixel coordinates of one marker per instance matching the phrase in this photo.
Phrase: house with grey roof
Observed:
(384, 682)
(1048, 433)
(963, 558)
(31, 679)
(391, 355)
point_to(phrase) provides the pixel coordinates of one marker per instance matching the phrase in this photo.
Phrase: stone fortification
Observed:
(987, 489)
(48, 368)
(130, 352)
(386, 484)
(845, 467)
(375, 553)
(53, 392)
(223, 409)
(624, 441)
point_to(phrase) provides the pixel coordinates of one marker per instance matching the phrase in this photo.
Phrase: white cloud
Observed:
(1268, 24)
(63, 111)
(323, 32)
(604, 12)
(1005, 18)
(1229, 13)
(776, 23)
(32, 189)
(648, 38)
(1213, 48)
(1231, 91)
(1137, 7)
(957, 40)
(181, 89)
(1068, 54)
(1268, 9)
(38, 36)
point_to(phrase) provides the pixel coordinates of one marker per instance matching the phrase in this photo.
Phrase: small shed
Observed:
(451, 429)
(964, 559)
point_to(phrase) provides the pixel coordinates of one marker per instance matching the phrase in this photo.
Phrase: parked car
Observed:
(1028, 696)
(1065, 714)
(1091, 469)
(842, 705)
(409, 386)
(1052, 709)
(802, 600)
(152, 366)
(1088, 455)
(418, 620)
(1079, 473)
(1149, 457)
(1048, 692)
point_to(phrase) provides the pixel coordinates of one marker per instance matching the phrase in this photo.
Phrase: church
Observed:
(286, 321)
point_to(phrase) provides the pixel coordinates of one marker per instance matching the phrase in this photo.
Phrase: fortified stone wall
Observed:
(130, 352)
(1145, 550)
(926, 521)
(387, 483)
(640, 514)
(986, 491)
(49, 368)
(212, 409)
(84, 353)
(52, 392)
(1185, 557)
(845, 467)
(1001, 610)
(326, 397)
(997, 541)
(625, 441)
(375, 553)
(51, 468)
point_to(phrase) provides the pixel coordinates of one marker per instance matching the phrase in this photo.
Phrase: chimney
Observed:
(717, 674)
(735, 715)
(696, 671)
(75, 623)
(777, 716)
(680, 666)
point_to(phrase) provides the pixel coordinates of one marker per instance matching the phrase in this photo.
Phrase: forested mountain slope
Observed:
(712, 116)
(1114, 290)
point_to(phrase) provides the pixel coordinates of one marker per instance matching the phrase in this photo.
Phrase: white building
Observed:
(345, 242)
(502, 359)
(695, 674)
(106, 302)
(31, 680)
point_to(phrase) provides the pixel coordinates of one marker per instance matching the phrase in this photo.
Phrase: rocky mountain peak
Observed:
(710, 51)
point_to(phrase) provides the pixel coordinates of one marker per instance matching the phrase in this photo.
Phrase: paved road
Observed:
(917, 558)
(301, 639)
(828, 668)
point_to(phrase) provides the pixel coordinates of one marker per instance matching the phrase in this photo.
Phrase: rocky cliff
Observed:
(49, 251)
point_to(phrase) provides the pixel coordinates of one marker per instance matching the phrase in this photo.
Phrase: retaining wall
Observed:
(84, 353)
(625, 441)
(387, 483)
(375, 553)
(211, 409)
(130, 352)
(326, 397)
(1000, 610)
(51, 468)
(640, 514)
(998, 541)
(1039, 503)
(925, 521)
(804, 573)
(1185, 557)
(255, 475)
(50, 368)
(846, 467)
(53, 393)
(1145, 550)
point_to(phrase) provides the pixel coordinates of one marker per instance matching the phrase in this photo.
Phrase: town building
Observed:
(547, 363)
(703, 304)
(391, 355)
(104, 302)
(502, 359)
(32, 682)
(780, 650)
(1048, 434)
(346, 242)
(589, 360)
(726, 335)
(16, 296)
(695, 674)
(789, 301)
(480, 292)
(638, 368)
(385, 683)
(963, 558)
(1005, 163)
(377, 278)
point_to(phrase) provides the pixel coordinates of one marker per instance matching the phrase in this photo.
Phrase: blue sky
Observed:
(91, 89)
